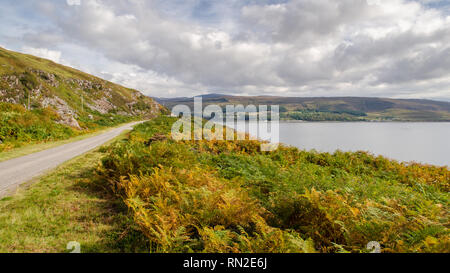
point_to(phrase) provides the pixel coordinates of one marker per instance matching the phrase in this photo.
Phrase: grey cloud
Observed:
(365, 49)
(43, 39)
(304, 22)
(185, 52)
(428, 64)
(313, 47)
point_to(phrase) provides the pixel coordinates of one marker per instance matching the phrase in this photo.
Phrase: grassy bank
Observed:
(67, 205)
(22, 131)
(215, 196)
(19, 126)
(35, 147)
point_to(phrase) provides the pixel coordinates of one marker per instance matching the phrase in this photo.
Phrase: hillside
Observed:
(43, 101)
(76, 96)
(335, 108)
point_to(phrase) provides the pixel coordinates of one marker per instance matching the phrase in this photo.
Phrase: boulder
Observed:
(69, 121)
(72, 122)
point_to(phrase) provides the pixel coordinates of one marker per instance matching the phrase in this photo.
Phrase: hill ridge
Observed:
(335, 108)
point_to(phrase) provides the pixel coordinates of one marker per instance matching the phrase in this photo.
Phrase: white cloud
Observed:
(73, 2)
(43, 53)
(300, 47)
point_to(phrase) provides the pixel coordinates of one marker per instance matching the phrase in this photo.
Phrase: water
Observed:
(425, 142)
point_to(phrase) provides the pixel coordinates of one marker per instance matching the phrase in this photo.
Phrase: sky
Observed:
(174, 48)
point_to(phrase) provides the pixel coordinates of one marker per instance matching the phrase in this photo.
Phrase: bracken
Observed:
(228, 196)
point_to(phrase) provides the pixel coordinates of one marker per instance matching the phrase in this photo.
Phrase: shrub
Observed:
(217, 196)
(18, 126)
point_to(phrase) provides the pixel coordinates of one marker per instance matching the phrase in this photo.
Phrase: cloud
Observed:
(43, 53)
(300, 47)
(43, 39)
(73, 2)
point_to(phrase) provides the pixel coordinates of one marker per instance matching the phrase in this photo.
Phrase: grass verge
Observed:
(37, 147)
(66, 205)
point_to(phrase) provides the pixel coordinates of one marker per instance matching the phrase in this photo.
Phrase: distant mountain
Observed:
(39, 83)
(335, 108)
(211, 96)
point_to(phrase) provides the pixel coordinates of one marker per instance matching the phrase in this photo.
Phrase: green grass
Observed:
(67, 205)
(19, 126)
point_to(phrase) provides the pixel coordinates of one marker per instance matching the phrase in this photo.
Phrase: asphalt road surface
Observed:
(22, 169)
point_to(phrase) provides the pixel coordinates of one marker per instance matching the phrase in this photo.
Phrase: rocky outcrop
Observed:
(49, 78)
(102, 105)
(67, 114)
(85, 84)
(70, 121)
(12, 90)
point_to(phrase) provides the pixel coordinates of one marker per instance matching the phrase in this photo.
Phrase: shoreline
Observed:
(347, 149)
(359, 121)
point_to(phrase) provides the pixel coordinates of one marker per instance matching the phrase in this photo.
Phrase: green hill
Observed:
(41, 100)
(334, 108)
